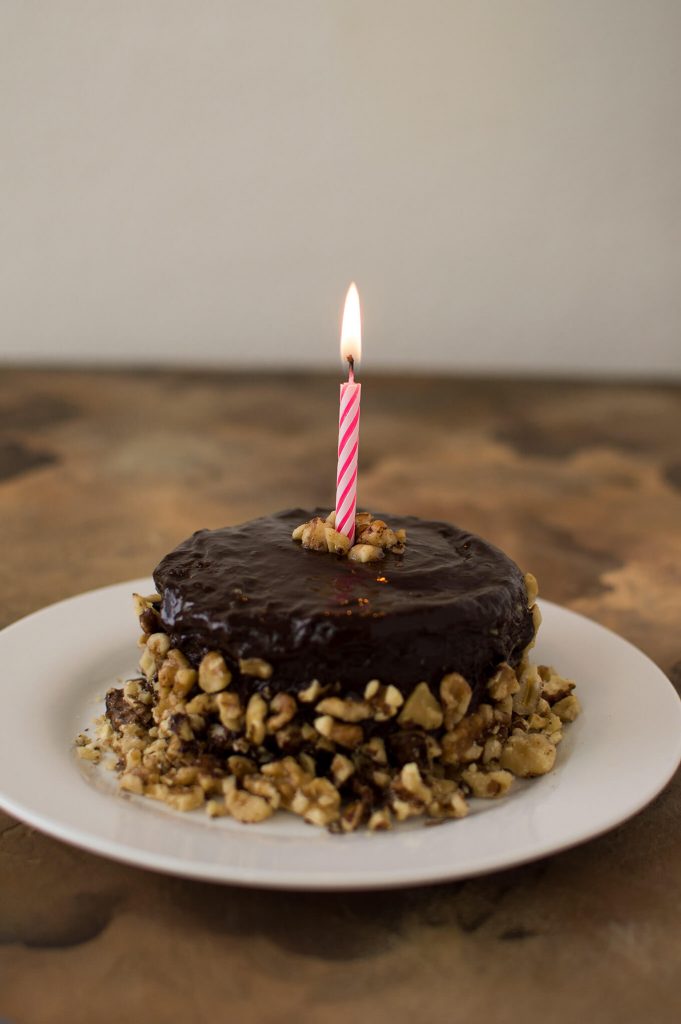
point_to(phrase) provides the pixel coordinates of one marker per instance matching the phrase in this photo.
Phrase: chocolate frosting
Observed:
(450, 602)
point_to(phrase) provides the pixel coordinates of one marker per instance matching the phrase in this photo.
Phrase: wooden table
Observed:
(101, 473)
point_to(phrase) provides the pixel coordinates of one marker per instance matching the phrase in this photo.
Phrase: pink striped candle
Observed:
(348, 420)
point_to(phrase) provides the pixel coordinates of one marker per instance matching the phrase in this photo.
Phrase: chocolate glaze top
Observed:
(451, 602)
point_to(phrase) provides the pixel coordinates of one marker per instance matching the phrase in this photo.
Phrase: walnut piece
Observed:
(532, 588)
(257, 667)
(284, 707)
(213, 673)
(247, 807)
(385, 701)
(255, 720)
(321, 535)
(339, 732)
(503, 683)
(311, 693)
(567, 709)
(230, 711)
(336, 542)
(341, 769)
(365, 553)
(380, 821)
(487, 784)
(555, 686)
(455, 694)
(421, 709)
(317, 801)
(378, 534)
(528, 754)
(526, 698)
(345, 710)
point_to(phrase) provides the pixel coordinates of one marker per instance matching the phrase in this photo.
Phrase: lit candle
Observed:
(348, 421)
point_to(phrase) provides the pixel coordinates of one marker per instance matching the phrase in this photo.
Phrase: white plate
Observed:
(57, 664)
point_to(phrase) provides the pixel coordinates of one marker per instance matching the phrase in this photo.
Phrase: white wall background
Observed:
(198, 181)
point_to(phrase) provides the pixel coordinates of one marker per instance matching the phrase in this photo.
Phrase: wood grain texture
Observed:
(102, 473)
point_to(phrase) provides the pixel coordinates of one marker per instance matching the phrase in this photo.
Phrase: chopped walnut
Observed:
(362, 759)
(321, 535)
(365, 553)
(260, 785)
(230, 710)
(379, 534)
(288, 776)
(89, 753)
(255, 667)
(345, 710)
(385, 701)
(455, 694)
(526, 699)
(214, 675)
(131, 782)
(216, 808)
(448, 800)
(492, 749)
(375, 750)
(185, 680)
(317, 801)
(173, 663)
(421, 709)
(341, 733)
(567, 709)
(314, 535)
(255, 720)
(239, 766)
(311, 693)
(532, 588)
(410, 780)
(202, 704)
(528, 754)
(189, 799)
(247, 807)
(503, 683)
(461, 744)
(336, 542)
(341, 769)
(554, 728)
(380, 821)
(142, 604)
(487, 784)
(159, 645)
(555, 686)
(284, 707)
(352, 815)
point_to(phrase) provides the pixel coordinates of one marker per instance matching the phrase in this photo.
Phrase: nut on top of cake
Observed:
(373, 537)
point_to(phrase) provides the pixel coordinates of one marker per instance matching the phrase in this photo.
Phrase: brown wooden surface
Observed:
(101, 473)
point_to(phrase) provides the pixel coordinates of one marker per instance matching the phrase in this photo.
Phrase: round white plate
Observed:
(58, 663)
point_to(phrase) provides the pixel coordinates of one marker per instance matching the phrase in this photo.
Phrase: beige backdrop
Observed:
(198, 181)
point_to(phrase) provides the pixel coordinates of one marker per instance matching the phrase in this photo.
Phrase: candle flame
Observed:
(351, 331)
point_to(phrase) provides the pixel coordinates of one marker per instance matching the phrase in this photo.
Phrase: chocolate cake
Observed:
(351, 681)
(451, 602)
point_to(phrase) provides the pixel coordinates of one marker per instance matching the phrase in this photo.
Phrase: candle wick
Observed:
(351, 369)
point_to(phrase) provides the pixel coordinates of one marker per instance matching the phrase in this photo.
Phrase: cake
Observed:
(451, 602)
(283, 667)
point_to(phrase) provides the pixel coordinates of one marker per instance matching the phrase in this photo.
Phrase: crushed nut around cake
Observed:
(219, 737)
(373, 537)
